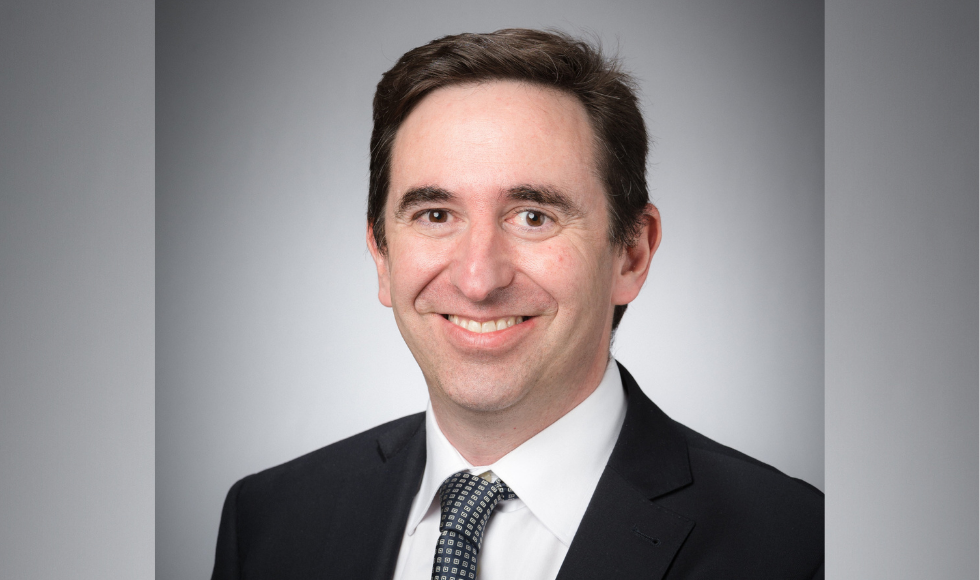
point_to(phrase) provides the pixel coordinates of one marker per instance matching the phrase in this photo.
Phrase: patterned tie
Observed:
(466, 501)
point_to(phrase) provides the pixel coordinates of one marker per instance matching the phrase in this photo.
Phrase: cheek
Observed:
(414, 267)
(546, 262)
(568, 273)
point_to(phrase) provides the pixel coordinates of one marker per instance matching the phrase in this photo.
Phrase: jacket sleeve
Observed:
(226, 558)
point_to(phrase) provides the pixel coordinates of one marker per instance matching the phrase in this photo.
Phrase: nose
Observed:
(482, 262)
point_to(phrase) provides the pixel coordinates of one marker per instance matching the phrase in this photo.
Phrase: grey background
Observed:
(76, 289)
(901, 302)
(270, 339)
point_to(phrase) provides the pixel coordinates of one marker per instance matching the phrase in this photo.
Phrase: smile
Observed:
(484, 327)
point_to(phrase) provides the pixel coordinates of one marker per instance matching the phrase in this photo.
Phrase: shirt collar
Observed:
(553, 473)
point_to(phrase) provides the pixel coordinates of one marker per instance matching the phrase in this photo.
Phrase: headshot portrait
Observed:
(432, 220)
(547, 290)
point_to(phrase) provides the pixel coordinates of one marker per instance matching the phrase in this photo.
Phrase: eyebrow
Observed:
(421, 195)
(544, 195)
(540, 195)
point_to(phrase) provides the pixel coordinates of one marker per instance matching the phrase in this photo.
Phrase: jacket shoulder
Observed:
(340, 460)
(742, 506)
(706, 453)
(308, 515)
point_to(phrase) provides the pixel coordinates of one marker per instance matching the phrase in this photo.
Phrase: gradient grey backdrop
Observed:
(76, 290)
(901, 302)
(77, 285)
(270, 338)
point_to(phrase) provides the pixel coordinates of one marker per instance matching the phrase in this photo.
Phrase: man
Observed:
(509, 221)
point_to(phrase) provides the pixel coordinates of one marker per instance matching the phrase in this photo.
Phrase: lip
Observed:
(497, 340)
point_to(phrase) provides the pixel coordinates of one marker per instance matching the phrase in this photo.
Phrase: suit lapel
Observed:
(624, 533)
(402, 456)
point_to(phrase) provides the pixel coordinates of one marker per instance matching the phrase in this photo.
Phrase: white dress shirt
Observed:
(554, 475)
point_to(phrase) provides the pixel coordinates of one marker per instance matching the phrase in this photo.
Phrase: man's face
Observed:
(498, 268)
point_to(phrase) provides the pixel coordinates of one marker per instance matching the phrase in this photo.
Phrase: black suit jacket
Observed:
(670, 504)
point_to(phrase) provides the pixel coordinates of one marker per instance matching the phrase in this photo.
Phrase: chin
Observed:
(483, 394)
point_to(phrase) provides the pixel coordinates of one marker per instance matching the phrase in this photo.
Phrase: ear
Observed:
(633, 263)
(381, 262)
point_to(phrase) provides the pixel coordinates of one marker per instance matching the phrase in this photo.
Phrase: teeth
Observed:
(488, 326)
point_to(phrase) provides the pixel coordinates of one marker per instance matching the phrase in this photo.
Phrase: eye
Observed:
(534, 219)
(437, 216)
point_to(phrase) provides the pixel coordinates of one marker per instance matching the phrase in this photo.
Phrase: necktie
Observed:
(466, 502)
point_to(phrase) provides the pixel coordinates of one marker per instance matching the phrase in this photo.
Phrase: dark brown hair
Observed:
(547, 58)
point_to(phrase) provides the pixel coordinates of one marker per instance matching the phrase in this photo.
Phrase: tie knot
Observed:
(466, 501)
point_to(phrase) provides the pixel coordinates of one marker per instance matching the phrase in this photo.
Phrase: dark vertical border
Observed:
(76, 289)
(901, 289)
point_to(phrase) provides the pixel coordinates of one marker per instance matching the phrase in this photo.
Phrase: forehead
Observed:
(495, 135)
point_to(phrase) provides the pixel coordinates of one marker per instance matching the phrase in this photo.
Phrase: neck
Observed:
(483, 437)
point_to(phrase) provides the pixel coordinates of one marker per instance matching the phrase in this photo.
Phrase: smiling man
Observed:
(509, 221)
